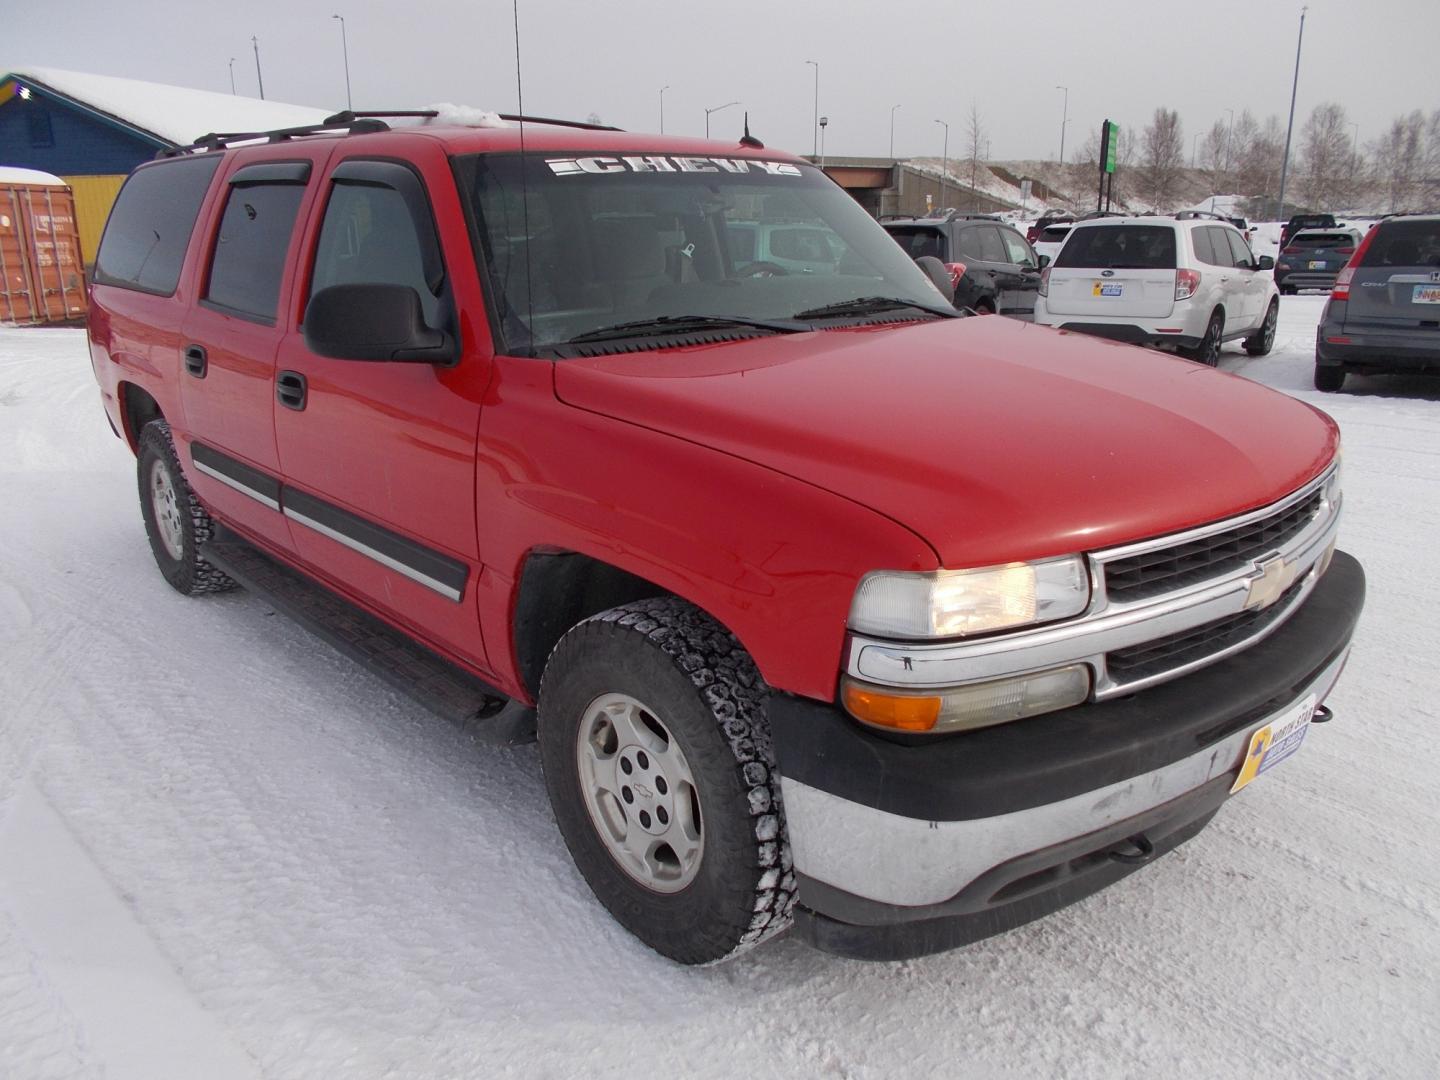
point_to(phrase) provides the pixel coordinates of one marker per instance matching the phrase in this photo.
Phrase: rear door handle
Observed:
(196, 362)
(290, 388)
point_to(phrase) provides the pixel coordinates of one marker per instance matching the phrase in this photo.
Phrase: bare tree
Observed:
(1162, 154)
(1326, 159)
(1258, 162)
(1400, 160)
(1215, 156)
(975, 142)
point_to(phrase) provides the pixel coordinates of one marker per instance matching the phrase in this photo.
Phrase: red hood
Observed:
(992, 439)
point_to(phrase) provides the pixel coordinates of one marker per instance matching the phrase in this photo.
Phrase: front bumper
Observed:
(907, 848)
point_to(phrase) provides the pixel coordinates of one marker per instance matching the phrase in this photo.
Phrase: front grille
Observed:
(1150, 573)
(1175, 651)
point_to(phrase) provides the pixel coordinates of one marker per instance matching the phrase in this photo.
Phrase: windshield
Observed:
(574, 246)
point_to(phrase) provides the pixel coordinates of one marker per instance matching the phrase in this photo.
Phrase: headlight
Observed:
(963, 708)
(957, 603)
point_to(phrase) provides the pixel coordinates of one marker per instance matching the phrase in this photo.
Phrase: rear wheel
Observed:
(658, 763)
(1329, 379)
(1263, 340)
(1208, 351)
(176, 523)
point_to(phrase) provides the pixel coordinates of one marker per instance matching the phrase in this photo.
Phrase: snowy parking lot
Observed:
(226, 851)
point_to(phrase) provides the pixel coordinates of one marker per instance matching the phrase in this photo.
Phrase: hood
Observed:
(992, 439)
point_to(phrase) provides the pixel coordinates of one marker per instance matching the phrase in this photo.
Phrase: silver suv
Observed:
(1187, 283)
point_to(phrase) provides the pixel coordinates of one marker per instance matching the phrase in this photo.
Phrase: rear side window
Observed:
(249, 258)
(1121, 247)
(149, 228)
(1405, 243)
(920, 241)
(1204, 247)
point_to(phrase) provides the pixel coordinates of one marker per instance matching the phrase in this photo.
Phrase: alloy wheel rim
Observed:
(166, 504)
(640, 793)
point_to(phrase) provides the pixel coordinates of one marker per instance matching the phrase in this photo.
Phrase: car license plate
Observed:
(1317, 264)
(1427, 294)
(1109, 288)
(1276, 741)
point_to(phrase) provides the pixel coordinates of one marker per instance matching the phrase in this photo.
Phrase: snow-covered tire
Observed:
(1263, 340)
(175, 522)
(663, 667)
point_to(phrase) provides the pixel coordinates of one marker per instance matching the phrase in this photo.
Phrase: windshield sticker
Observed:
(602, 166)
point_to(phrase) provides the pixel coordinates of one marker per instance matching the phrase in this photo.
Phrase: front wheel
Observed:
(175, 522)
(658, 763)
(1263, 340)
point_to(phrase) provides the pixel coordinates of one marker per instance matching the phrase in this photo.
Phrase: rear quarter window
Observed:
(1131, 247)
(149, 228)
(1405, 243)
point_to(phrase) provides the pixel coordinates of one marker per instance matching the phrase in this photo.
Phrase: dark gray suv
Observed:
(1384, 312)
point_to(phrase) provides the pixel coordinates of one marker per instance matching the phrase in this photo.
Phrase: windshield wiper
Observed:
(683, 324)
(870, 305)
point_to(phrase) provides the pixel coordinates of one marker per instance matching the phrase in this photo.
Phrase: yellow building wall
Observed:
(94, 195)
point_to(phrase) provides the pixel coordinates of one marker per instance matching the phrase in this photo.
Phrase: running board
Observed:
(447, 690)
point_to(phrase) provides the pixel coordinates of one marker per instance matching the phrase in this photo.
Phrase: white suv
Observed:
(1188, 283)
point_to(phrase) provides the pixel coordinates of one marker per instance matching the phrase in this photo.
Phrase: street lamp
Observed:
(716, 109)
(232, 74)
(662, 108)
(823, 121)
(945, 165)
(892, 131)
(815, 149)
(1229, 142)
(255, 44)
(1290, 127)
(1064, 121)
(1355, 150)
(345, 48)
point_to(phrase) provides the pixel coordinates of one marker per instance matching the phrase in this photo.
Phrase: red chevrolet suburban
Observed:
(833, 610)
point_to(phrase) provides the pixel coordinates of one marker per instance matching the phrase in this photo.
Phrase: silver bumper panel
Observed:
(910, 862)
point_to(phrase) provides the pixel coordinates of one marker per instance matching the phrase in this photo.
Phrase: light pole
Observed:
(232, 74)
(892, 131)
(662, 107)
(1193, 143)
(823, 121)
(815, 149)
(1355, 151)
(345, 48)
(1290, 127)
(255, 44)
(716, 109)
(1229, 142)
(945, 164)
(1065, 121)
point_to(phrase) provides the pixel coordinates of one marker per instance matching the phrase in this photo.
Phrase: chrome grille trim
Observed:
(1109, 626)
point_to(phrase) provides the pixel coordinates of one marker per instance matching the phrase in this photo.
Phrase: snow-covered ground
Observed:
(225, 851)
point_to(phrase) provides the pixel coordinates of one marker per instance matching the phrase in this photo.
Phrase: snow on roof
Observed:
(11, 174)
(174, 114)
(448, 114)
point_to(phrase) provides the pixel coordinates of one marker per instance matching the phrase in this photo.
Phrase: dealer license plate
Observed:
(1427, 294)
(1317, 264)
(1109, 288)
(1276, 741)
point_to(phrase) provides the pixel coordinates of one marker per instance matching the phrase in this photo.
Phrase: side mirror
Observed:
(1044, 261)
(1265, 263)
(938, 275)
(374, 322)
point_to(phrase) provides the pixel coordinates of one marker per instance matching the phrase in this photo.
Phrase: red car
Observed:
(834, 611)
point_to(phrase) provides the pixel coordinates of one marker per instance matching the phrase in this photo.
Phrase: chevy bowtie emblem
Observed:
(1435, 275)
(1275, 576)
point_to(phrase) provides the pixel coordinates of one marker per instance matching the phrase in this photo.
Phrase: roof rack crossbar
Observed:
(220, 140)
(517, 119)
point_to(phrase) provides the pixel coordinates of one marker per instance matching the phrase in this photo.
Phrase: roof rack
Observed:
(354, 123)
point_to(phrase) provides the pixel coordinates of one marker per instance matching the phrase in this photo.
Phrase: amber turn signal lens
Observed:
(892, 710)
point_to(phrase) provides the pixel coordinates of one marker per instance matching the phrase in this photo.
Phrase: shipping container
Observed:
(42, 273)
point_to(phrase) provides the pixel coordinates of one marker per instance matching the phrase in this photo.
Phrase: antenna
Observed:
(747, 139)
(524, 188)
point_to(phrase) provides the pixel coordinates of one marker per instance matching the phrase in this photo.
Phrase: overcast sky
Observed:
(1120, 59)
